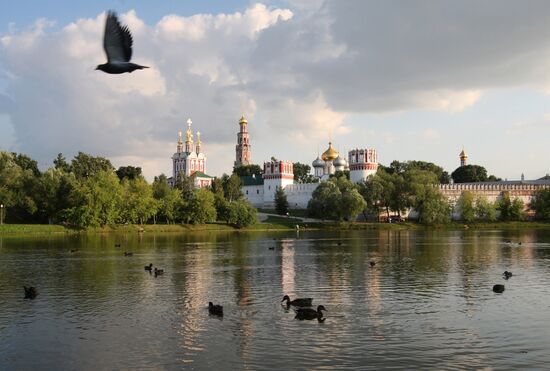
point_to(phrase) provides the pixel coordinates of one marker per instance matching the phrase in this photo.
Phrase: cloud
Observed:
(297, 73)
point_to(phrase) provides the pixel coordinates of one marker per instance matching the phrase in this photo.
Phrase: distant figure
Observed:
(216, 310)
(128, 253)
(507, 275)
(299, 302)
(498, 288)
(158, 272)
(30, 292)
(149, 267)
(309, 313)
(372, 263)
(117, 42)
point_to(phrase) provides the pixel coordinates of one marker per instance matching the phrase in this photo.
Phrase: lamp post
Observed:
(1, 214)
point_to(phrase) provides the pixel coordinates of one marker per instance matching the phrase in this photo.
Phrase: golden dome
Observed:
(243, 120)
(463, 154)
(330, 154)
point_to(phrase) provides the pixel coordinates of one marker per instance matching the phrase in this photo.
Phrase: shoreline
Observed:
(276, 226)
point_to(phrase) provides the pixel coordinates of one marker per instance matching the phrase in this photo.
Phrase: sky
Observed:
(417, 80)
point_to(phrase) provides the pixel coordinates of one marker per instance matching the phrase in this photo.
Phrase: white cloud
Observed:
(297, 73)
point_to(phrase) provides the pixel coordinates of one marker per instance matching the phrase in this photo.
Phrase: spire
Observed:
(198, 146)
(189, 139)
(180, 142)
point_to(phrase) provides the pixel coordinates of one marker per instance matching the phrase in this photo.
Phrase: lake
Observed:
(426, 304)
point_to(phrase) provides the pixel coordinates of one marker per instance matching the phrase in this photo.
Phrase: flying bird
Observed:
(117, 42)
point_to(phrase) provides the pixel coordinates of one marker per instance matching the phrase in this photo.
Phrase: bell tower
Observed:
(243, 147)
(463, 158)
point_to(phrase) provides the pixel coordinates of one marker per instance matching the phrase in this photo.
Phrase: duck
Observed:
(339, 243)
(299, 302)
(117, 245)
(271, 248)
(158, 272)
(30, 292)
(372, 263)
(309, 313)
(507, 275)
(498, 288)
(128, 253)
(149, 267)
(216, 310)
(72, 251)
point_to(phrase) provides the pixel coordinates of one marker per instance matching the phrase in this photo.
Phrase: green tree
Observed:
(96, 200)
(485, 210)
(169, 200)
(60, 163)
(54, 189)
(540, 204)
(432, 207)
(138, 203)
(302, 173)
(201, 207)
(324, 201)
(128, 172)
(371, 190)
(26, 163)
(18, 188)
(248, 170)
(240, 213)
(510, 209)
(85, 166)
(466, 206)
(469, 174)
(281, 203)
(232, 187)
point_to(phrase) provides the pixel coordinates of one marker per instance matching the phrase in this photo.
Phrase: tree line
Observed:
(89, 192)
(412, 185)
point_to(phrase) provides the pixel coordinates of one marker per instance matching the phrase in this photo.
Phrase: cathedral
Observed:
(189, 160)
(260, 191)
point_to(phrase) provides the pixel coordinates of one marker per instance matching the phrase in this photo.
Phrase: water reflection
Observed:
(427, 303)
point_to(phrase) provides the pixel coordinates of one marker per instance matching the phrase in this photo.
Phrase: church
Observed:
(260, 191)
(189, 160)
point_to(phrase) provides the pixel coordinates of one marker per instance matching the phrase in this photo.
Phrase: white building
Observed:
(260, 192)
(189, 160)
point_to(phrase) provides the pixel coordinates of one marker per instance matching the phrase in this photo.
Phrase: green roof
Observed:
(251, 181)
(200, 174)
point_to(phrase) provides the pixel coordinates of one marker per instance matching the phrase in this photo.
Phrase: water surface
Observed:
(426, 304)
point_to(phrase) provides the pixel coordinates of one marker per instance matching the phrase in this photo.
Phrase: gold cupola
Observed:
(243, 120)
(330, 154)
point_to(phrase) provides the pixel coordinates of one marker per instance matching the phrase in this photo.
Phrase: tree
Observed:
(248, 170)
(240, 213)
(466, 206)
(201, 207)
(540, 204)
(340, 174)
(510, 209)
(302, 173)
(96, 201)
(432, 207)
(281, 203)
(85, 166)
(232, 187)
(337, 199)
(26, 163)
(169, 199)
(485, 210)
(61, 163)
(54, 189)
(138, 203)
(371, 190)
(469, 174)
(128, 172)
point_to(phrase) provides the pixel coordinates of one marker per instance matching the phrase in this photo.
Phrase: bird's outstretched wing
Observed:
(117, 40)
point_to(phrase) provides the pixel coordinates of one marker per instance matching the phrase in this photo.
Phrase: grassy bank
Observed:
(273, 223)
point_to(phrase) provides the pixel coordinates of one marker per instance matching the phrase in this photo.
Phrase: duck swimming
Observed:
(309, 313)
(128, 253)
(372, 263)
(30, 292)
(158, 272)
(498, 288)
(507, 275)
(216, 310)
(299, 302)
(149, 267)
